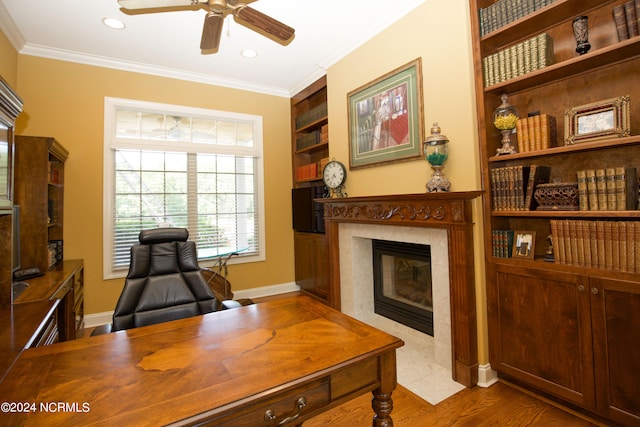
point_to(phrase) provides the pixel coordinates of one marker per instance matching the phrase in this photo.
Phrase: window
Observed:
(176, 166)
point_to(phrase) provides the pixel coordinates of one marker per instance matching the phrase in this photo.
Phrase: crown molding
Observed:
(10, 29)
(134, 67)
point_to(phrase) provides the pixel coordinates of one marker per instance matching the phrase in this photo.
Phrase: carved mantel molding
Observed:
(428, 209)
(452, 211)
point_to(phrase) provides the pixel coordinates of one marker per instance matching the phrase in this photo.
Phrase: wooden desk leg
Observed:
(382, 403)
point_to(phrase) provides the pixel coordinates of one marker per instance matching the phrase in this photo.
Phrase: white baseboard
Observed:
(266, 291)
(486, 376)
(98, 319)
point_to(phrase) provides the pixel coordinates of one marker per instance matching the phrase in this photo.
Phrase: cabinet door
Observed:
(311, 264)
(616, 331)
(542, 332)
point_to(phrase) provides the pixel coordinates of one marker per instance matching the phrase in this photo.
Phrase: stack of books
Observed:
(504, 12)
(608, 189)
(627, 19)
(612, 245)
(512, 187)
(522, 58)
(536, 132)
(502, 243)
(55, 253)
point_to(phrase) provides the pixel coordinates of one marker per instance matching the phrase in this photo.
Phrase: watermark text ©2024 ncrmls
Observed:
(47, 407)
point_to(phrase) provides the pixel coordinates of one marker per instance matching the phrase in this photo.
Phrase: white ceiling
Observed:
(168, 44)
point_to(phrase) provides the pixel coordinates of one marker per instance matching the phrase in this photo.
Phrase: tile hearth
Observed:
(424, 363)
(417, 369)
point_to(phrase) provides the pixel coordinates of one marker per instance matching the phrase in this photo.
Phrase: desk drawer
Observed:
(316, 395)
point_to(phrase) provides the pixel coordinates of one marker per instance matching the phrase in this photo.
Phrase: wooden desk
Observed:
(228, 368)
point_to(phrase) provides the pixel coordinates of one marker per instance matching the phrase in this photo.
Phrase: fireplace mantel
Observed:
(452, 211)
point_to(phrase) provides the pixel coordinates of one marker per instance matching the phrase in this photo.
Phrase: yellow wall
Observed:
(8, 61)
(439, 33)
(66, 100)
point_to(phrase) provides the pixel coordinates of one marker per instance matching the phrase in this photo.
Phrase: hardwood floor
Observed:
(498, 405)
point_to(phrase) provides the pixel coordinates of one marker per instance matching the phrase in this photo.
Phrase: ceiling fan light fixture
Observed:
(113, 23)
(249, 53)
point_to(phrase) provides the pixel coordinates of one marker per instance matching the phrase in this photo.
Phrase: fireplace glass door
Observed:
(402, 283)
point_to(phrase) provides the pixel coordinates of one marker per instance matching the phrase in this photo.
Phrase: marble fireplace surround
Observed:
(449, 211)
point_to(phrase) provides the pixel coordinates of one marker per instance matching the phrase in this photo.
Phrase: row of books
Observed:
(311, 170)
(522, 58)
(55, 254)
(627, 19)
(612, 245)
(504, 12)
(608, 189)
(311, 116)
(536, 132)
(502, 243)
(512, 187)
(313, 138)
(308, 171)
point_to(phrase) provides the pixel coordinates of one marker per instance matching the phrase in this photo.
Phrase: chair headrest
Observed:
(163, 235)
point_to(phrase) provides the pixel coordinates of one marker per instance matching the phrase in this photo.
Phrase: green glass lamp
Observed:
(436, 152)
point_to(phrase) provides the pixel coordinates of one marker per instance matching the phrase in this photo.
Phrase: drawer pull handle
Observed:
(270, 415)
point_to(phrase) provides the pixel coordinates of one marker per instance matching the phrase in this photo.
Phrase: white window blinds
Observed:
(172, 166)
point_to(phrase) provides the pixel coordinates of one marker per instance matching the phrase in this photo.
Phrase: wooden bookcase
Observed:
(309, 151)
(567, 330)
(39, 191)
(309, 140)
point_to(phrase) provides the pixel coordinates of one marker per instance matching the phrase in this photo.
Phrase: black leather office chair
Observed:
(164, 283)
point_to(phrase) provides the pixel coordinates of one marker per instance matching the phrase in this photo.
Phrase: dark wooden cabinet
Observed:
(568, 329)
(39, 191)
(615, 307)
(312, 264)
(544, 334)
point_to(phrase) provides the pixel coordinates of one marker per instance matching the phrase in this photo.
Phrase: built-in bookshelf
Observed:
(309, 154)
(310, 134)
(583, 279)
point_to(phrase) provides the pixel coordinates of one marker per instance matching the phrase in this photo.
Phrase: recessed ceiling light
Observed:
(114, 23)
(249, 53)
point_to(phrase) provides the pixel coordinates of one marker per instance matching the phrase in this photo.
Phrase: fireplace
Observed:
(452, 263)
(402, 283)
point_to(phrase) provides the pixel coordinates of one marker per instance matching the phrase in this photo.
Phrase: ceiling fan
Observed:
(217, 11)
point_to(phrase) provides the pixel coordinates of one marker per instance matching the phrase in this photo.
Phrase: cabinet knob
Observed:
(581, 288)
(594, 290)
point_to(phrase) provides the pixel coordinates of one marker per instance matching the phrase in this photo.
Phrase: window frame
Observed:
(111, 143)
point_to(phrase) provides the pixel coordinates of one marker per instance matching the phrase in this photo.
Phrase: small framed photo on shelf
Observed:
(598, 120)
(524, 243)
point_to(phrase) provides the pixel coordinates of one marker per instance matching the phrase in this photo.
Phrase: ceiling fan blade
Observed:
(263, 23)
(152, 4)
(239, 2)
(212, 31)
